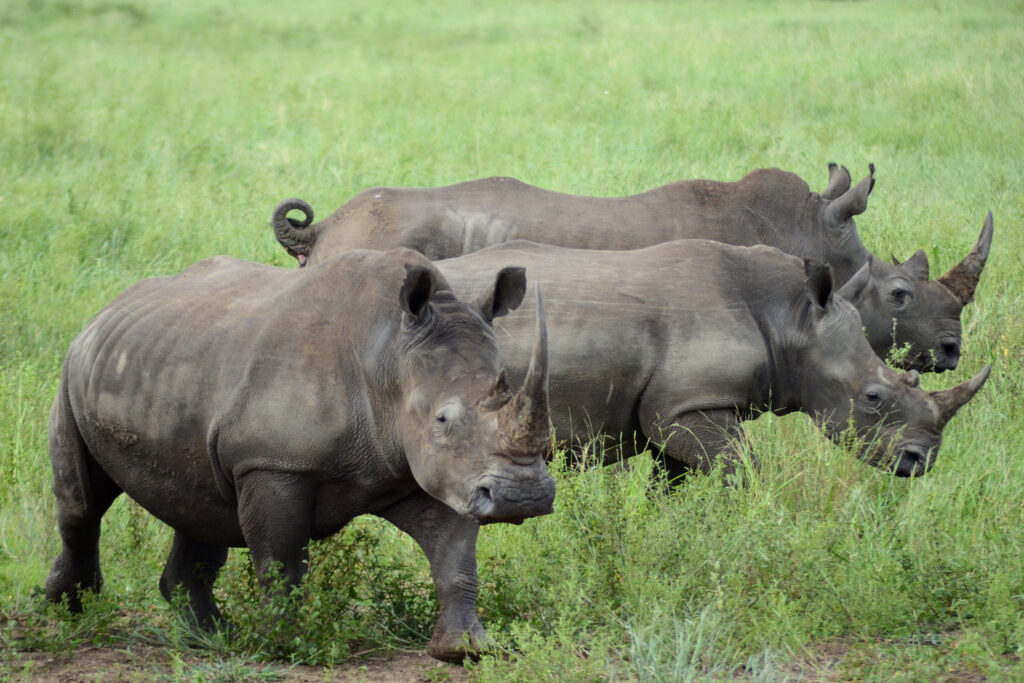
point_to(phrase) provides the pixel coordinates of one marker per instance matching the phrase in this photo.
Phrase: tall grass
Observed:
(137, 137)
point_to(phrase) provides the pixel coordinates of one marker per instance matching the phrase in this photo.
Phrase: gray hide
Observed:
(639, 353)
(768, 206)
(246, 405)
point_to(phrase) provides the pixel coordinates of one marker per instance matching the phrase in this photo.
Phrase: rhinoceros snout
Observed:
(949, 355)
(914, 460)
(500, 500)
(945, 357)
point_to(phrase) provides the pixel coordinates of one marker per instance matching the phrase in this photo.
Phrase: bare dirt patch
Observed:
(147, 663)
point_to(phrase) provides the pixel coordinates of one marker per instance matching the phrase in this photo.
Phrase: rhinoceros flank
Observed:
(246, 405)
(768, 206)
(679, 343)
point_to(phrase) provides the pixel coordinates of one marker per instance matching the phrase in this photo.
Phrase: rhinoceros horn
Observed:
(951, 400)
(838, 181)
(851, 203)
(289, 232)
(962, 279)
(523, 421)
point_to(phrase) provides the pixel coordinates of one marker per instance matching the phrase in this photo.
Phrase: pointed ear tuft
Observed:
(419, 286)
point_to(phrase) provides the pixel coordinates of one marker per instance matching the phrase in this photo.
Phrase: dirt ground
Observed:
(144, 663)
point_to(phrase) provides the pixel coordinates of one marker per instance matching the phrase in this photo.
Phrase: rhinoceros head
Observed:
(470, 441)
(900, 307)
(857, 399)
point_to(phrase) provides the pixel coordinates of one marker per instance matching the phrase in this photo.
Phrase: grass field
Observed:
(137, 137)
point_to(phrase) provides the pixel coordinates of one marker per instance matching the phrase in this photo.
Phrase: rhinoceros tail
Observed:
(292, 234)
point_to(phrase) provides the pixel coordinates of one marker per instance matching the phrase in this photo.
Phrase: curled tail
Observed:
(291, 234)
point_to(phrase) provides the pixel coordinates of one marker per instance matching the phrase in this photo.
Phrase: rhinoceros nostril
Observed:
(913, 461)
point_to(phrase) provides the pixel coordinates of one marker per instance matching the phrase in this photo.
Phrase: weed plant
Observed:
(139, 137)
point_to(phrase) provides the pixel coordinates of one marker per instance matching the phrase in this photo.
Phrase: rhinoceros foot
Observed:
(456, 645)
(70, 575)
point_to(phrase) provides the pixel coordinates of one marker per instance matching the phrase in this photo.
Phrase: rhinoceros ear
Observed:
(506, 295)
(838, 181)
(418, 288)
(851, 203)
(854, 288)
(818, 284)
(916, 266)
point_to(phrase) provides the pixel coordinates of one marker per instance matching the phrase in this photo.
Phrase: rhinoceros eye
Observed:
(875, 398)
(445, 418)
(900, 297)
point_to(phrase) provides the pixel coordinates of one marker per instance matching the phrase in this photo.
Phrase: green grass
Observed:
(137, 137)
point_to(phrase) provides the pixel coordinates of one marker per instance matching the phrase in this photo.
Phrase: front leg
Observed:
(449, 542)
(275, 511)
(696, 440)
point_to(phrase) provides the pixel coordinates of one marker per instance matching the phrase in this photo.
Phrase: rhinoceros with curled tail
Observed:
(679, 343)
(246, 405)
(767, 206)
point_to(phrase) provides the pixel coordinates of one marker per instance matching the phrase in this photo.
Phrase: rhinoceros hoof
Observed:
(70, 576)
(456, 647)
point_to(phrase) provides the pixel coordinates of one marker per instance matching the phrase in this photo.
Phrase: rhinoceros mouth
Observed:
(492, 503)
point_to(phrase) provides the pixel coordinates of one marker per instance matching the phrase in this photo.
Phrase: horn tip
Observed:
(986, 230)
(983, 375)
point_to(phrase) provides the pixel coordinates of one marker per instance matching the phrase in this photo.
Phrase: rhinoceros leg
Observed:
(84, 492)
(193, 567)
(275, 512)
(449, 542)
(696, 440)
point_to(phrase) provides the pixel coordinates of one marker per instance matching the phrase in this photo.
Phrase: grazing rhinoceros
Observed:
(768, 206)
(246, 405)
(681, 342)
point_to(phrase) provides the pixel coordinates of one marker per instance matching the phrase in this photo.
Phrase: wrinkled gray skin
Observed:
(768, 206)
(246, 405)
(643, 354)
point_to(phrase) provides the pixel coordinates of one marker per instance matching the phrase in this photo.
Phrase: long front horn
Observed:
(962, 279)
(851, 203)
(952, 400)
(838, 181)
(289, 232)
(523, 422)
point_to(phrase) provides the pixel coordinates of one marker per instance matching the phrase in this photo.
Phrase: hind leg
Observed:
(193, 567)
(84, 492)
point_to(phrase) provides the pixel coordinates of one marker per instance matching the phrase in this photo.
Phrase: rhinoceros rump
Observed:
(679, 343)
(246, 405)
(768, 206)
